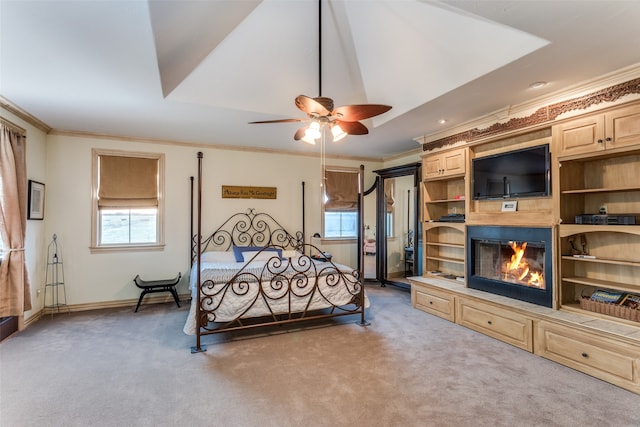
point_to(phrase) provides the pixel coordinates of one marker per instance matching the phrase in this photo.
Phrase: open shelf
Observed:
(446, 245)
(601, 190)
(602, 260)
(446, 259)
(447, 201)
(601, 284)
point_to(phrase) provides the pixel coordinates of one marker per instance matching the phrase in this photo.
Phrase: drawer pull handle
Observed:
(430, 302)
(585, 355)
(489, 322)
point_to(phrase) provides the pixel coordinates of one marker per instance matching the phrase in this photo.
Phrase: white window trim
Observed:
(94, 247)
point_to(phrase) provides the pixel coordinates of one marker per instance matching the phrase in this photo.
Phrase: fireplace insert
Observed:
(515, 262)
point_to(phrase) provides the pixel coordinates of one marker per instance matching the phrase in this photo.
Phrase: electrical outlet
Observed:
(603, 210)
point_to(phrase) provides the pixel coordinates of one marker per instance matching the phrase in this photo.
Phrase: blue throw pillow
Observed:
(238, 250)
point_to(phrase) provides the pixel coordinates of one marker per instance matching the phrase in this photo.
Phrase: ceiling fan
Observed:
(320, 111)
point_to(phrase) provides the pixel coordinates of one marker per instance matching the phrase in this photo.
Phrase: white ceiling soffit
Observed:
(424, 51)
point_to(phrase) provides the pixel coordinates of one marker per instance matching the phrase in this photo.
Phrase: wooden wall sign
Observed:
(244, 192)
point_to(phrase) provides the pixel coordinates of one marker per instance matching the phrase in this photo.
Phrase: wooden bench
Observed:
(168, 285)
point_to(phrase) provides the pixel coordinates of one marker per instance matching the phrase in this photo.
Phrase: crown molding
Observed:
(588, 96)
(83, 134)
(22, 114)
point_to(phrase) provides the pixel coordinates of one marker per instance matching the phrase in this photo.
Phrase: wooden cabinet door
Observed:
(432, 167)
(444, 165)
(584, 135)
(623, 127)
(454, 163)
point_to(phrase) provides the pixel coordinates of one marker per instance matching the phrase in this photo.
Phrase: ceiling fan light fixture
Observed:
(313, 131)
(305, 137)
(337, 132)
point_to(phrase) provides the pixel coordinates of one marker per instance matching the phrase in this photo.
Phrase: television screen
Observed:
(519, 173)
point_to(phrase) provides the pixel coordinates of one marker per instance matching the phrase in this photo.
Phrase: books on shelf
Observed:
(631, 301)
(606, 296)
(617, 304)
(618, 298)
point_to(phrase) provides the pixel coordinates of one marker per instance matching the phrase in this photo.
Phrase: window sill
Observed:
(126, 248)
(330, 240)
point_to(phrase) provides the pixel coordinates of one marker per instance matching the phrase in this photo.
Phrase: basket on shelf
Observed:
(610, 309)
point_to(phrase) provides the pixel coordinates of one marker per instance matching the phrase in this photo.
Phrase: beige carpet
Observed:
(119, 368)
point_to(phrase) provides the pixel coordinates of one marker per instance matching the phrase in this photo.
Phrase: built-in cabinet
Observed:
(445, 164)
(444, 207)
(597, 132)
(595, 169)
(615, 360)
(600, 252)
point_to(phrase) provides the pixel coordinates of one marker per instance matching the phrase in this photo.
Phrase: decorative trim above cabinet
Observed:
(544, 115)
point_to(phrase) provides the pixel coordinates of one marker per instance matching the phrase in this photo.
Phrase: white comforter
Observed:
(245, 299)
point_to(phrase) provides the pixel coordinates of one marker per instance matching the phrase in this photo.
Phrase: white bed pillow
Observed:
(259, 256)
(218, 256)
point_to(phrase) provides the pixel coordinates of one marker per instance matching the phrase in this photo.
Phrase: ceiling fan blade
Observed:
(353, 128)
(353, 113)
(314, 107)
(278, 121)
(300, 133)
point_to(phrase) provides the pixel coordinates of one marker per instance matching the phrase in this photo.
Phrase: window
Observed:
(340, 205)
(127, 201)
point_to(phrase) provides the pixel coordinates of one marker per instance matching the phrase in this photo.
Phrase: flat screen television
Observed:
(518, 173)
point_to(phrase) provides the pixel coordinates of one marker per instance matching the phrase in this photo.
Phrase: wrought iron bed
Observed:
(274, 277)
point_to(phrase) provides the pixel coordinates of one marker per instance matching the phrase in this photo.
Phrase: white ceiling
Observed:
(199, 71)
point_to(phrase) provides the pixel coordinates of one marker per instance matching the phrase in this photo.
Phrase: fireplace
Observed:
(515, 262)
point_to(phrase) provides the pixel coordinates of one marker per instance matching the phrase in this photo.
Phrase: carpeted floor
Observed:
(119, 368)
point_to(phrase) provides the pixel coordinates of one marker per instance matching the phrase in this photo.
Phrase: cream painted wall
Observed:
(107, 277)
(63, 163)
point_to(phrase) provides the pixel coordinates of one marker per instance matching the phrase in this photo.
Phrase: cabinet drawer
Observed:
(496, 322)
(604, 358)
(432, 301)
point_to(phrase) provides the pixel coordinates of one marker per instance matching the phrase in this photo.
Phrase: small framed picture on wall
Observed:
(36, 200)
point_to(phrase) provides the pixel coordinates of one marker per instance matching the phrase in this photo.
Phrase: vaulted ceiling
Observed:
(199, 71)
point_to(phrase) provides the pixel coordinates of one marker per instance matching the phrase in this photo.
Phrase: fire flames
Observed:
(519, 268)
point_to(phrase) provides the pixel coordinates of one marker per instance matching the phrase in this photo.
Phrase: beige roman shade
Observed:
(130, 182)
(341, 190)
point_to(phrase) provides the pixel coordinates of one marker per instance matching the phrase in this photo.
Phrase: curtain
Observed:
(389, 190)
(128, 182)
(15, 293)
(341, 191)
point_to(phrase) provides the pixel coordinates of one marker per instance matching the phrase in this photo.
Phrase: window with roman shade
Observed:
(128, 182)
(127, 212)
(340, 208)
(341, 190)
